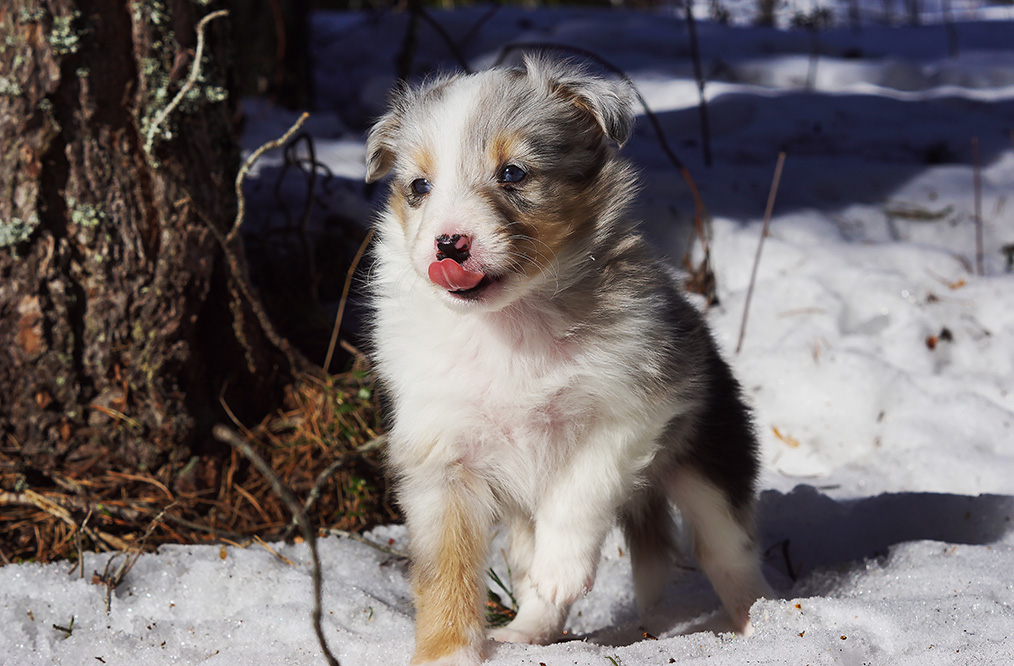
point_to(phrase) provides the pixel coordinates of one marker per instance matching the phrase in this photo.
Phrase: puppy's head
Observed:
(501, 180)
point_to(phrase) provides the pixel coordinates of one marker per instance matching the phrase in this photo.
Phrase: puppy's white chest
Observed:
(482, 394)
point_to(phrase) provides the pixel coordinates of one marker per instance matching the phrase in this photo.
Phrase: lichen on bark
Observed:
(112, 284)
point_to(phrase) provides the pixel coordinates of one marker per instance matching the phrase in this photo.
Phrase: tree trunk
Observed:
(119, 326)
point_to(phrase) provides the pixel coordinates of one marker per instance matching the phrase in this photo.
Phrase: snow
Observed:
(880, 366)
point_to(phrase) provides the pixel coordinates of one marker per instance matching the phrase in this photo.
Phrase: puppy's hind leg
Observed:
(647, 525)
(724, 543)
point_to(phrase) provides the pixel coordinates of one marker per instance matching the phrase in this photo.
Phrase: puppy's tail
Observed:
(649, 529)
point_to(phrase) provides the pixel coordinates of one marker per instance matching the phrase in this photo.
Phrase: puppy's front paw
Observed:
(463, 657)
(510, 634)
(561, 582)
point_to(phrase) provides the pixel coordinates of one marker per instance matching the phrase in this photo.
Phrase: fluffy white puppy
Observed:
(543, 368)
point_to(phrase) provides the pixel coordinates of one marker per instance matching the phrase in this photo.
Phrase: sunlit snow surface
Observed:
(880, 367)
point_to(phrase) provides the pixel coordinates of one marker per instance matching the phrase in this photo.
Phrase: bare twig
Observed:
(79, 565)
(266, 546)
(236, 269)
(245, 170)
(68, 630)
(977, 185)
(783, 548)
(345, 296)
(410, 42)
(112, 581)
(372, 544)
(228, 435)
(403, 61)
(702, 107)
(195, 73)
(760, 246)
(478, 25)
(314, 495)
(32, 498)
(308, 166)
(448, 40)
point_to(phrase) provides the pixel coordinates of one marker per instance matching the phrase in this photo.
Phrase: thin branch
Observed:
(977, 185)
(314, 495)
(236, 270)
(245, 170)
(760, 246)
(702, 106)
(308, 167)
(112, 581)
(345, 295)
(372, 544)
(227, 435)
(478, 25)
(32, 498)
(195, 73)
(448, 40)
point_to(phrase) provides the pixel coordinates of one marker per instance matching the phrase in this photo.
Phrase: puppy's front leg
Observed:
(569, 530)
(571, 522)
(448, 517)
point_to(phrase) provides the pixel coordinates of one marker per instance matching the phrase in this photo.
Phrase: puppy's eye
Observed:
(421, 186)
(512, 174)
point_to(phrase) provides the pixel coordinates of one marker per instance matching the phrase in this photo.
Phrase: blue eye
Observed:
(421, 186)
(512, 173)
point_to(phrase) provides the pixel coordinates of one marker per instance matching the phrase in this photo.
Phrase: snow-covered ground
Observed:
(880, 365)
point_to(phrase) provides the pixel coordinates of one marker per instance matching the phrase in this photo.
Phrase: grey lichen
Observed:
(9, 87)
(17, 230)
(45, 105)
(157, 123)
(65, 37)
(31, 14)
(152, 11)
(155, 65)
(207, 92)
(85, 214)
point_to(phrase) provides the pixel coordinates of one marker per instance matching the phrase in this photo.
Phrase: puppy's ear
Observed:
(380, 146)
(609, 103)
(382, 140)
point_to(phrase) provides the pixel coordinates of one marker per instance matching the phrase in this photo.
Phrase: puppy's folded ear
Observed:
(609, 103)
(380, 146)
(383, 136)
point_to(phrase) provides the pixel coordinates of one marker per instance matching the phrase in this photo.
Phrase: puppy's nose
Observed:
(454, 247)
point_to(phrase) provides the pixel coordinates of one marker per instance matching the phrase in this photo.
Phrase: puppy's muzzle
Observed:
(449, 270)
(456, 247)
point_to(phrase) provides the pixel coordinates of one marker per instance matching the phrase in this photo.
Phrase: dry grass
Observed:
(324, 444)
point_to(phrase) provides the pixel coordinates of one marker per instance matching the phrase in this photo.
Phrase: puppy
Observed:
(543, 368)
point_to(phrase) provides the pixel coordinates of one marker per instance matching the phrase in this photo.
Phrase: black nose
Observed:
(454, 247)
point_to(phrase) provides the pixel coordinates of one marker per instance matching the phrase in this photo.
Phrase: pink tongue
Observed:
(451, 276)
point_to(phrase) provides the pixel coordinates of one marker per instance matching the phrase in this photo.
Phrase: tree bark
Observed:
(119, 327)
